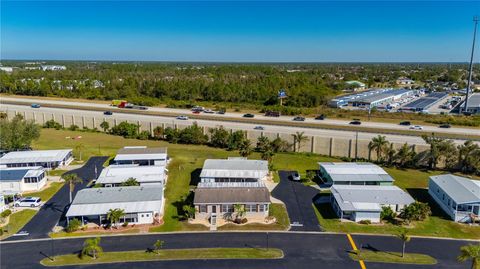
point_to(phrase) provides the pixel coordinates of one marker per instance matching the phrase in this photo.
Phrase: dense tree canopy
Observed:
(17, 134)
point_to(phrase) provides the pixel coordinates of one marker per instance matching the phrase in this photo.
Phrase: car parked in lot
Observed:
(416, 127)
(108, 113)
(35, 105)
(445, 126)
(182, 118)
(295, 176)
(259, 127)
(29, 202)
(299, 118)
(320, 117)
(248, 115)
(355, 122)
(405, 123)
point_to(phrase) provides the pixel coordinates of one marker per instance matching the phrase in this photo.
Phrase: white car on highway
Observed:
(416, 127)
(182, 118)
(29, 202)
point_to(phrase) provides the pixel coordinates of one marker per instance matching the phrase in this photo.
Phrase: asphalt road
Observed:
(53, 211)
(298, 200)
(302, 250)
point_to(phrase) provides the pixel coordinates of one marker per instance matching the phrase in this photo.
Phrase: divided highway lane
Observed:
(214, 123)
(380, 125)
(302, 250)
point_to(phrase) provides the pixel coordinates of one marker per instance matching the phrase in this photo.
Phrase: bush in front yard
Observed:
(365, 221)
(6, 213)
(73, 225)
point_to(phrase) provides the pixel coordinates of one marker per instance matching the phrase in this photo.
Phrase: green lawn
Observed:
(17, 221)
(91, 233)
(56, 172)
(47, 193)
(392, 257)
(167, 254)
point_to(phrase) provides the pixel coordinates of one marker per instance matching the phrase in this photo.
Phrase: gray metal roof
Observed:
(474, 100)
(142, 150)
(118, 195)
(369, 198)
(234, 168)
(120, 173)
(35, 156)
(359, 171)
(231, 195)
(462, 190)
(17, 174)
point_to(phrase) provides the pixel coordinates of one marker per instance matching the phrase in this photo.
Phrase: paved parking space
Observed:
(298, 200)
(52, 212)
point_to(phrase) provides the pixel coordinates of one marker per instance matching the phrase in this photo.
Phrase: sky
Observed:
(238, 31)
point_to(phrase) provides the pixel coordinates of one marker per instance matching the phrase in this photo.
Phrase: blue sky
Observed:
(315, 31)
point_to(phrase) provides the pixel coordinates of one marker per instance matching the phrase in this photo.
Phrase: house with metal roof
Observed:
(48, 159)
(142, 205)
(458, 196)
(234, 170)
(354, 173)
(141, 155)
(358, 203)
(17, 180)
(115, 175)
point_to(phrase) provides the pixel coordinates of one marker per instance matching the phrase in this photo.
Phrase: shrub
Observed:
(52, 124)
(73, 127)
(125, 129)
(365, 221)
(416, 211)
(387, 213)
(73, 225)
(243, 221)
(6, 213)
(144, 135)
(125, 224)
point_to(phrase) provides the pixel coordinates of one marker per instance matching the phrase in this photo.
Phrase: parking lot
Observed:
(298, 200)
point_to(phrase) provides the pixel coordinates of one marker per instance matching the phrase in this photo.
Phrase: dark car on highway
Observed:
(248, 115)
(108, 113)
(445, 126)
(299, 118)
(406, 123)
(320, 117)
(356, 122)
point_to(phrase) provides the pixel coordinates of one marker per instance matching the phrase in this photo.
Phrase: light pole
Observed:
(475, 21)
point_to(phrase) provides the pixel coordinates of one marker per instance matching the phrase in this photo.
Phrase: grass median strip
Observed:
(167, 254)
(391, 257)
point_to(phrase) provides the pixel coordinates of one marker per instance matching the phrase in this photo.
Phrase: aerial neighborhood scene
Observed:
(239, 134)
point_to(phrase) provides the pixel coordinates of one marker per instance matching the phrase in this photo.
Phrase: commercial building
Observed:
(405, 81)
(53, 67)
(424, 103)
(353, 174)
(141, 156)
(18, 180)
(364, 203)
(458, 196)
(234, 170)
(6, 69)
(229, 182)
(372, 98)
(48, 159)
(141, 205)
(115, 175)
(473, 104)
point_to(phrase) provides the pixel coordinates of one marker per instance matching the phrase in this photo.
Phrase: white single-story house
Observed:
(141, 205)
(216, 204)
(141, 155)
(358, 203)
(48, 159)
(20, 179)
(115, 175)
(234, 170)
(354, 173)
(458, 196)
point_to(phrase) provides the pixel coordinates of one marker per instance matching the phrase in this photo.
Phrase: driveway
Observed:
(298, 199)
(52, 212)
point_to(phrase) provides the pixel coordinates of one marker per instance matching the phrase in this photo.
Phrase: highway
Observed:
(276, 120)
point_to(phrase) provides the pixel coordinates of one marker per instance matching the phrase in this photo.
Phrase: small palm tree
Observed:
(378, 144)
(239, 211)
(245, 148)
(405, 155)
(131, 181)
(114, 215)
(158, 245)
(71, 180)
(298, 139)
(105, 125)
(91, 247)
(267, 155)
(403, 235)
(470, 252)
(79, 148)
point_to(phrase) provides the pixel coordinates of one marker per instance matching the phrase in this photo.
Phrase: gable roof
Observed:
(120, 173)
(234, 168)
(462, 190)
(17, 174)
(35, 156)
(231, 195)
(359, 171)
(140, 153)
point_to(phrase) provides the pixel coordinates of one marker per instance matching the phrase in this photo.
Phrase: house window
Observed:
(227, 208)
(262, 208)
(251, 208)
(203, 209)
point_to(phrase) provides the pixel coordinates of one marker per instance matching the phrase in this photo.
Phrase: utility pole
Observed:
(475, 22)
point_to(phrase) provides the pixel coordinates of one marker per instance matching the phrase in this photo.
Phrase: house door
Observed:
(213, 220)
(214, 209)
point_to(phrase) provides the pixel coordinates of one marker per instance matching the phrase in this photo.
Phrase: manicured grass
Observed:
(17, 221)
(91, 233)
(47, 193)
(411, 178)
(392, 257)
(167, 254)
(56, 172)
(277, 210)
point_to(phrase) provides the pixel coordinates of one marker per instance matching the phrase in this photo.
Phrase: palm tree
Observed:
(105, 125)
(298, 139)
(91, 247)
(114, 215)
(470, 252)
(158, 245)
(263, 143)
(405, 155)
(465, 154)
(131, 181)
(79, 147)
(245, 148)
(239, 211)
(378, 144)
(268, 155)
(71, 180)
(403, 235)
(434, 153)
(449, 153)
(390, 152)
